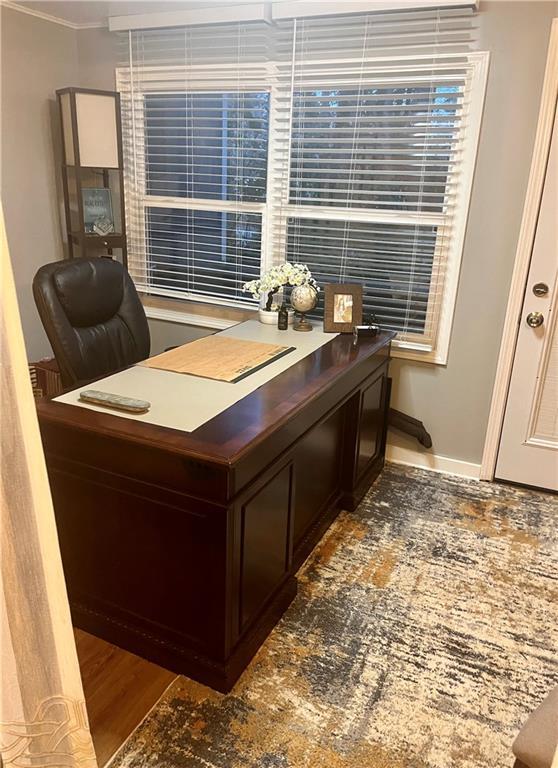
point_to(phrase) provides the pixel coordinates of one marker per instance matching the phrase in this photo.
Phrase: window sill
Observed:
(221, 317)
(194, 313)
(416, 356)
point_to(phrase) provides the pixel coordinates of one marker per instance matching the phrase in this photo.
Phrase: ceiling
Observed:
(95, 13)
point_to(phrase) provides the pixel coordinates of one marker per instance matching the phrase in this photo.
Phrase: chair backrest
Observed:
(93, 317)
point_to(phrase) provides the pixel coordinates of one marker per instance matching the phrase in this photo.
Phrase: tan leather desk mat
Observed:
(218, 357)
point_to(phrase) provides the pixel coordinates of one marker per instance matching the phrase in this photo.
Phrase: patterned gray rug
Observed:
(424, 632)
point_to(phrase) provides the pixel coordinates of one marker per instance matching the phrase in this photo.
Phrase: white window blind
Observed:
(382, 148)
(195, 109)
(346, 143)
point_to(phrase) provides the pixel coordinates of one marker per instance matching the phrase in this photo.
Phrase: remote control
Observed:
(119, 403)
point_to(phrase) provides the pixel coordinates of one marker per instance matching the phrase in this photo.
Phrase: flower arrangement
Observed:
(283, 275)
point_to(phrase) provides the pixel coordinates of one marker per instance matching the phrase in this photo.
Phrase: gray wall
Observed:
(37, 57)
(97, 57)
(452, 400)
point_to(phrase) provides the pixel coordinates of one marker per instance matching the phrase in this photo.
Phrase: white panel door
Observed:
(528, 452)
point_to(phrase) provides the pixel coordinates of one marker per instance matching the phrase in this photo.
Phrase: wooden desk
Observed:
(182, 547)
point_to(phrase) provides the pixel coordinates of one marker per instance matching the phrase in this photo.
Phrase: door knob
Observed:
(535, 319)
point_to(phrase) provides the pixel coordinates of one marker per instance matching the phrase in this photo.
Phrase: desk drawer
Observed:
(136, 461)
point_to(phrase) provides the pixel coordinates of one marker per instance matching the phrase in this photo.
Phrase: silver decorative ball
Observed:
(304, 298)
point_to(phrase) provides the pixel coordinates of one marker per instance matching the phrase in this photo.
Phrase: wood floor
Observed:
(120, 689)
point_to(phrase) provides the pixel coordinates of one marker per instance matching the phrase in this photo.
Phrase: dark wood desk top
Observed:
(225, 438)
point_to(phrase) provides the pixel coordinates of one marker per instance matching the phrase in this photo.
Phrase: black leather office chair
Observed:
(93, 317)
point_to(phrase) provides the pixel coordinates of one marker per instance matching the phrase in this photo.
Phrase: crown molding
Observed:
(49, 17)
(222, 14)
(292, 9)
(281, 10)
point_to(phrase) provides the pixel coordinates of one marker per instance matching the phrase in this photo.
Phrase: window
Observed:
(388, 148)
(210, 146)
(373, 183)
(322, 149)
(205, 153)
(393, 262)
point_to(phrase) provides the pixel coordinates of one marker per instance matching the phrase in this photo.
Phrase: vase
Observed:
(270, 317)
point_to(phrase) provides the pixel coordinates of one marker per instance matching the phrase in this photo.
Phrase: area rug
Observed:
(424, 631)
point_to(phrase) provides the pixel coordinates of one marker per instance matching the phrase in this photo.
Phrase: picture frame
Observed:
(97, 207)
(342, 307)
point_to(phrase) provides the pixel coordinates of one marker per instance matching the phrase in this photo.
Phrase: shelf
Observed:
(88, 239)
(92, 167)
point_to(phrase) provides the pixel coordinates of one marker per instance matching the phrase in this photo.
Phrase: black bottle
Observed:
(283, 318)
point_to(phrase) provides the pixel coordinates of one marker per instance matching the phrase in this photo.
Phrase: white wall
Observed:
(36, 58)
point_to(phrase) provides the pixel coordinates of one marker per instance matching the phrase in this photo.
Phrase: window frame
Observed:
(449, 246)
(275, 215)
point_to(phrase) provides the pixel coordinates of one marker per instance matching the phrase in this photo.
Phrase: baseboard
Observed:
(432, 461)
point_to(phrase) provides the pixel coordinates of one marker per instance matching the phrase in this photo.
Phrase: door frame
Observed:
(522, 263)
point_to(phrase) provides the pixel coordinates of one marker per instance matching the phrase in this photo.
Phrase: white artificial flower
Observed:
(278, 276)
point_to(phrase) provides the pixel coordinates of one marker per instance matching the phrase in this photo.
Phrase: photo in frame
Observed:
(342, 307)
(97, 209)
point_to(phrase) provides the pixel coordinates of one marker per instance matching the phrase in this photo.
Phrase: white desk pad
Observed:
(186, 402)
